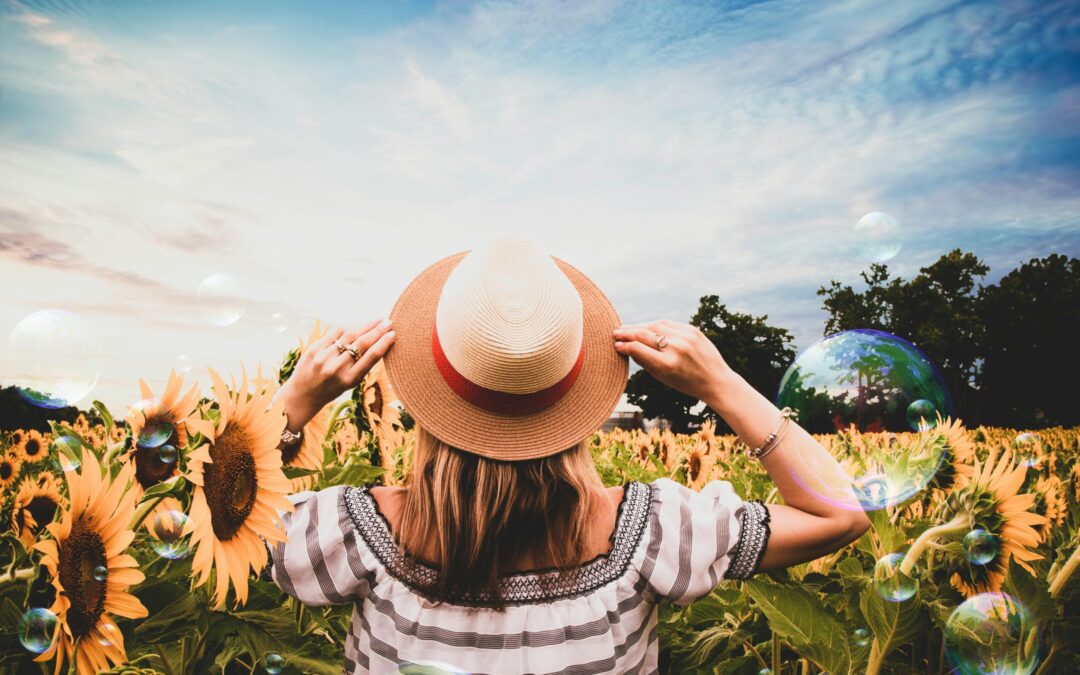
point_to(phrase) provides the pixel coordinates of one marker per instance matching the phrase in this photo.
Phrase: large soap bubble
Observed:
(877, 236)
(991, 633)
(864, 377)
(53, 358)
(221, 296)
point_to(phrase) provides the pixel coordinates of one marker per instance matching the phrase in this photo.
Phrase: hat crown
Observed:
(508, 319)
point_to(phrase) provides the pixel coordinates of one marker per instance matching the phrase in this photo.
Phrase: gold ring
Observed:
(353, 353)
(661, 340)
(340, 347)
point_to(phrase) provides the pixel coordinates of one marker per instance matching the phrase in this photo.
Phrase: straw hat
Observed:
(506, 351)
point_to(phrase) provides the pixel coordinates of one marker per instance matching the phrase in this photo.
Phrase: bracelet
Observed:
(786, 415)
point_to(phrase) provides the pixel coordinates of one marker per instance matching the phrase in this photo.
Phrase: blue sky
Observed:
(323, 153)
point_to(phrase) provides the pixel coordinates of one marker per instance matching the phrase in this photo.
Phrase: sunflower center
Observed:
(42, 509)
(6, 469)
(695, 466)
(230, 483)
(33, 447)
(376, 401)
(79, 555)
(149, 468)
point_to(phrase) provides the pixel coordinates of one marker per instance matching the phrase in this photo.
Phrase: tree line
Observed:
(1008, 351)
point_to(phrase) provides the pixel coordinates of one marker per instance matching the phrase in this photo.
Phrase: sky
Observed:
(322, 154)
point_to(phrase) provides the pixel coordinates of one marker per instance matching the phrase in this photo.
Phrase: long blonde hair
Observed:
(478, 516)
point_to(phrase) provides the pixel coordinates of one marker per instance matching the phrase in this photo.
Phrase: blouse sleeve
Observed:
(698, 538)
(322, 561)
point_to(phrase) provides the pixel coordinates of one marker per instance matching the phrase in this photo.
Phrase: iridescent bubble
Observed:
(107, 634)
(273, 663)
(892, 584)
(222, 299)
(878, 236)
(1027, 448)
(872, 491)
(166, 538)
(991, 633)
(53, 358)
(167, 453)
(101, 573)
(861, 637)
(155, 432)
(864, 377)
(67, 450)
(184, 363)
(36, 629)
(980, 546)
(920, 415)
(279, 322)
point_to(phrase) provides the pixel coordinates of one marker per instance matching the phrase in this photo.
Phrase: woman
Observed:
(504, 553)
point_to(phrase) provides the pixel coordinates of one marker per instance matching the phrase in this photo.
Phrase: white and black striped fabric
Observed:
(670, 543)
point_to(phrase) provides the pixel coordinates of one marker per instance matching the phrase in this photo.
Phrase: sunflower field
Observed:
(135, 544)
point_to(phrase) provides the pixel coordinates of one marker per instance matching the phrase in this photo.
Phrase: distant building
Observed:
(625, 416)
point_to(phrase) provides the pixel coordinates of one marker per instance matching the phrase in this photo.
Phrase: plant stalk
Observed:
(1063, 574)
(17, 575)
(960, 524)
(775, 653)
(144, 510)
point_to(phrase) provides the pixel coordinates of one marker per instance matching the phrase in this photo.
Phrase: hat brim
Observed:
(417, 382)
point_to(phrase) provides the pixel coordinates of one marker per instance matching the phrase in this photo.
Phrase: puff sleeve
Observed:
(698, 538)
(322, 561)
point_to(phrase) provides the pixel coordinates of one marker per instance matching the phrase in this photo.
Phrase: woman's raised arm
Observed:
(821, 513)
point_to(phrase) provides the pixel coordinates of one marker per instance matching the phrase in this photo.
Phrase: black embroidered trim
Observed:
(517, 588)
(753, 538)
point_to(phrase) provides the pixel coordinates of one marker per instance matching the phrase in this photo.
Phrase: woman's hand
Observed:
(324, 372)
(689, 362)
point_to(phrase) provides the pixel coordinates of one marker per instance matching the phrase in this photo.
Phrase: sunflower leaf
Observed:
(298, 472)
(893, 623)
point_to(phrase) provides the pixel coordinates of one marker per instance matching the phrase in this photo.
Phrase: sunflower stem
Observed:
(756, 653)
(330, 428)
(960, 524)
(873, 666)
(17, 575)
(1062, 577)
(164, 661)
(144, 510)
(775, 653)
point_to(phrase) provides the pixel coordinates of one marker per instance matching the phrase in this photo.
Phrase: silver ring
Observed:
(661, 340)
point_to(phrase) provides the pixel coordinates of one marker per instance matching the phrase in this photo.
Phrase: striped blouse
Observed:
(669, 543)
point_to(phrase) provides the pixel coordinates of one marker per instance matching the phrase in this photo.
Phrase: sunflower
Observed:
(169, 415)
(383, 419)
(35, 506)
(239, 487)
(699, 465)
(17, 437)
(81, 424)
(34, 447)
(88, 543)
(956, 468)
(991, 502)
(9, 470)
(1049, 489)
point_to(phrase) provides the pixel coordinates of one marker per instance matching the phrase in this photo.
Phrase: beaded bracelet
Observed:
(786, 415)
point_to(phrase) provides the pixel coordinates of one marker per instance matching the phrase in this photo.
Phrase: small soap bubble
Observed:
(273, 663)
(52, 358)
(920, 415)
(66, 450)
(167, 453)
(991, 633)
(1027, 448)
(878, 236)
(279, 322)
(765, 671)
(184, 363)
(861, 637)
(980, 546)
(107, 634)
(36, 629)
(890, 582)
(221, 298)
(155, 432)
(101, 573)
(166, 538)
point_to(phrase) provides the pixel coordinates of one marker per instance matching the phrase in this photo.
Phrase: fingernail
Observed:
(618, 345)
(390, 333)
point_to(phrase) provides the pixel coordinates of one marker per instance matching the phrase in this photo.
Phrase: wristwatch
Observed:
(290, 440)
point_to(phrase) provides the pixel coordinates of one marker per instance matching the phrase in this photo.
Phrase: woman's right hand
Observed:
(689, 362)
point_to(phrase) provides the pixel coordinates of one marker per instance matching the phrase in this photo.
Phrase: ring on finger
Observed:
(353, 352)
(661, 340)
(340, 347)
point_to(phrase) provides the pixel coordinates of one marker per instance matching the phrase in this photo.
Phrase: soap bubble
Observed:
(108, 634)
(877, 236)
(167, 453)
(221, 298)
(101, 573)
(166, 538)
(892, 584)
(980, 546)
(53, 358)
(273, 663)
(66, 451)
(184, 363)
(864, 377)
(991, 633)
(37, 626)
(279, 322)
(861, 637)
(920, 415)
(1027, 448)
(155, 432)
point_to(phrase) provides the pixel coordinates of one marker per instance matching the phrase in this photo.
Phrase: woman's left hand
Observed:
(323, 371)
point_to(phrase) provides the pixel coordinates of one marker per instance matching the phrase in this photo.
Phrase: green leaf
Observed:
(892, 623)
(1033, 592)
(170, 623)
(105, 415)
(173, 486)
(297, 472)
(801, 618)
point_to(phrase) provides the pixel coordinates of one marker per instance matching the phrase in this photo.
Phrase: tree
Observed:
(754, 349)
(938, 310)
(1032, 330)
